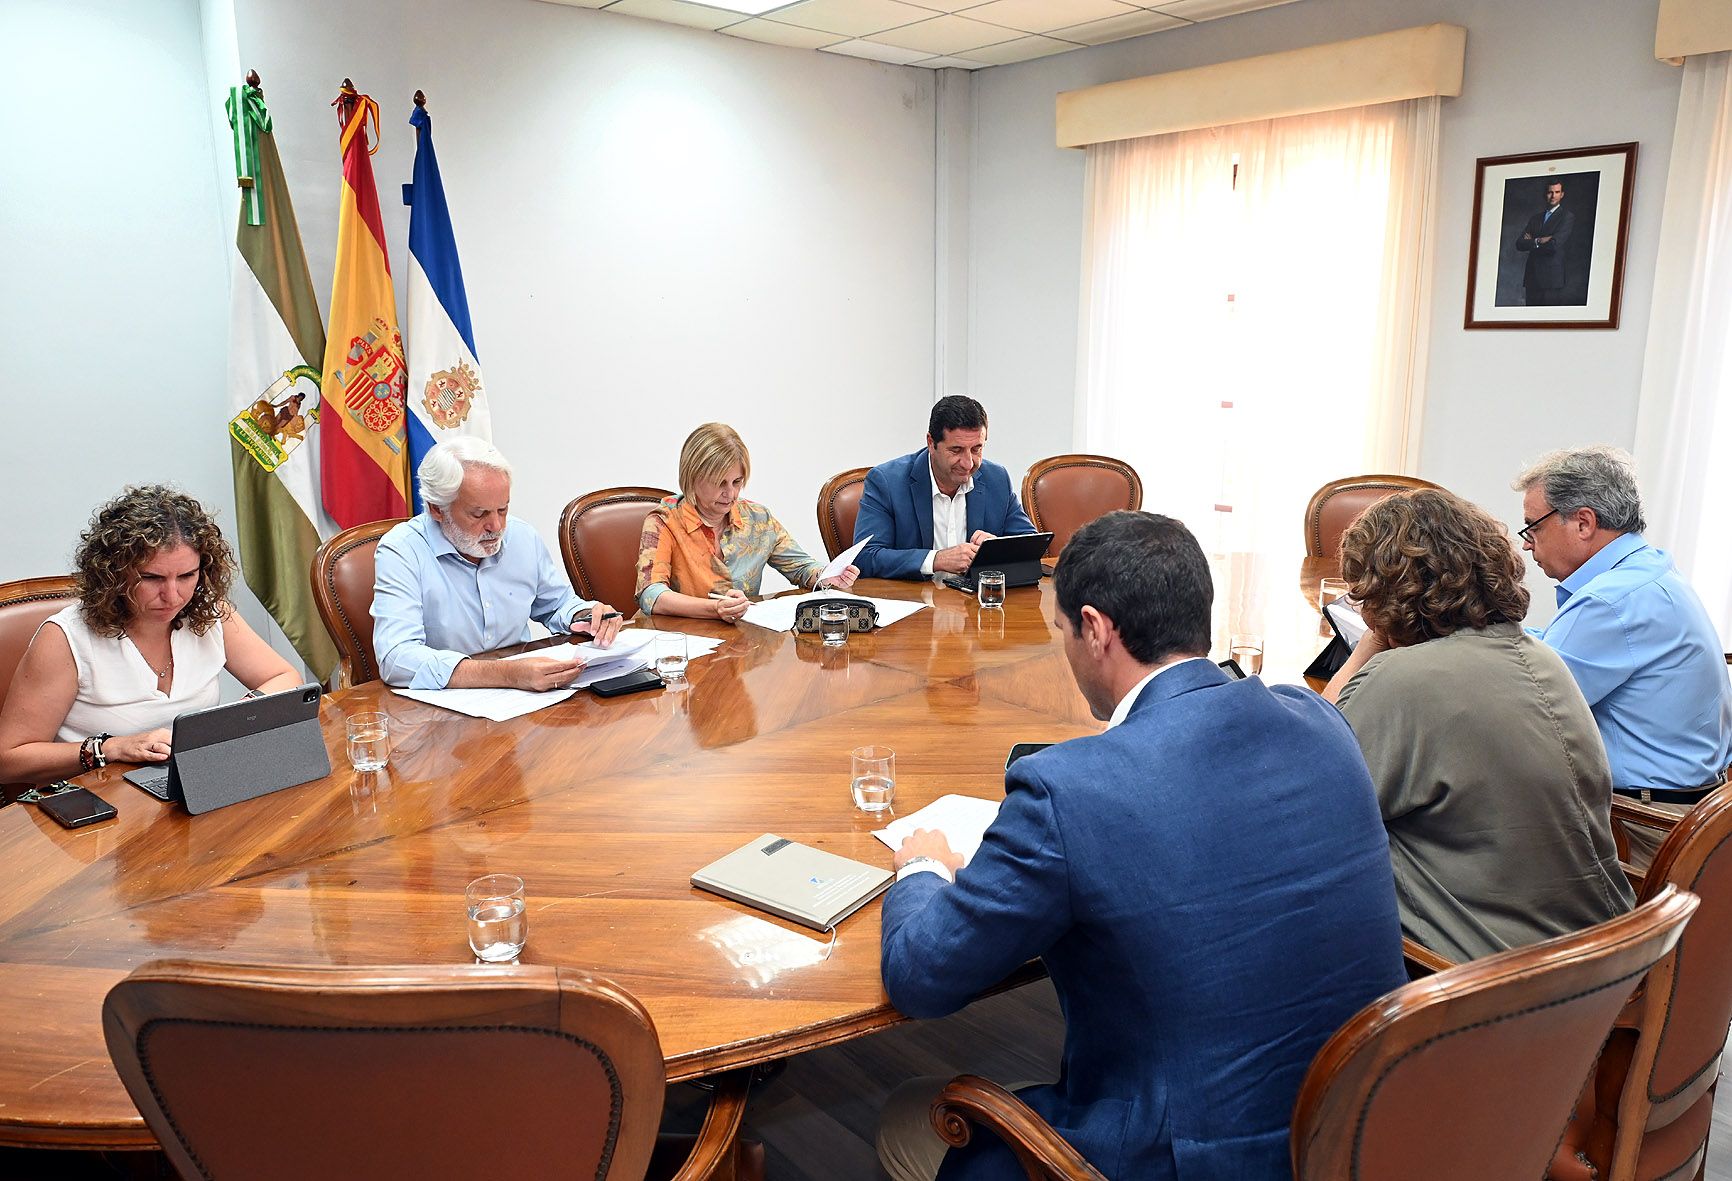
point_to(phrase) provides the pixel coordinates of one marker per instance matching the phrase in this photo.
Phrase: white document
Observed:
(962, 819)
(498, 705)
(778, 614)
(1348, 621)
(844, 559)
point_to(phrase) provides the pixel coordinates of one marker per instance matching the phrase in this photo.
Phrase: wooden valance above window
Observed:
(1689, 27)
(1387, 67)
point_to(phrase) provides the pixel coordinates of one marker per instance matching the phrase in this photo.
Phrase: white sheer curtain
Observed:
(1684, 425)
(1246, 337)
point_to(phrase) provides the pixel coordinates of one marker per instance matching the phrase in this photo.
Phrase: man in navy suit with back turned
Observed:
(1208, 882)
(928, 512)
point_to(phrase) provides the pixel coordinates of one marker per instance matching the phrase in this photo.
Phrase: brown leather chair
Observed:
(599, 537)
(1467, 1074)
(838, 506)
(24, 604)
(343, 588)
(439, 1072)
(1066, 492)
(1337, 504)
(1649, 1110)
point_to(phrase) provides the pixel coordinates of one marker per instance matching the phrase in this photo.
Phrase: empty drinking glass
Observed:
(874, 779)
(369, 741)
(671, 656)
(990, 588)
(1246, 650)
(833, 623)
(498, 926)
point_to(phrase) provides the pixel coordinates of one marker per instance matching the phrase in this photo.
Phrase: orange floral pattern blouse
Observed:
(678, 553)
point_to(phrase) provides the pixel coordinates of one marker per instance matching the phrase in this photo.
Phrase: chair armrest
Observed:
(719, 1137)
(1637, 877)
(1042, 1152)
(1421, 960)
(1636, 812)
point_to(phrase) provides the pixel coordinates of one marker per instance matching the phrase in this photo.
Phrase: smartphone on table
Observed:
(77, 808)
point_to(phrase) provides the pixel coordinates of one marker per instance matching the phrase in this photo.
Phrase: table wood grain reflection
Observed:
(604, 806)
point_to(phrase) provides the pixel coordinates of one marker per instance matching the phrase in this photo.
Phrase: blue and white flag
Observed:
(445, 395)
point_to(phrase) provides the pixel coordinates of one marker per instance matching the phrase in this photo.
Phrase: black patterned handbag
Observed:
(862, 615)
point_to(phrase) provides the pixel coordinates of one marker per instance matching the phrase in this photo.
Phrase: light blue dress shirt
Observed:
(1647, 658)
(432, 606)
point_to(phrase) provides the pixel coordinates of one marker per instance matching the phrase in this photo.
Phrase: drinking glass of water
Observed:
(990, 590)
(1328, 590)
(833, 623)
(671, 656)
(1247, 652)
(498, 927)
(874, 781)
(369, 741)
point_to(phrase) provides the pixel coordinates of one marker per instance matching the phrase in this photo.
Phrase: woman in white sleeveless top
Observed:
(150, 633)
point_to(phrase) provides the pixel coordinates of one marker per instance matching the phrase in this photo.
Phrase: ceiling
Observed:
(961, 34)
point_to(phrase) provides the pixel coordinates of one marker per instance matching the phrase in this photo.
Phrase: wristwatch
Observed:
(922, 864)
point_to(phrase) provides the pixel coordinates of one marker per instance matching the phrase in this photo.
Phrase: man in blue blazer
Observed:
(928, 512)
(1208, 882)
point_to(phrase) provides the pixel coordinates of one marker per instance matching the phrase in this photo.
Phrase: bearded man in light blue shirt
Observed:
(466, 577)
(1640, 643)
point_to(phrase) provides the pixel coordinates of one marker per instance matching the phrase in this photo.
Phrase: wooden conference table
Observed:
(604, 806)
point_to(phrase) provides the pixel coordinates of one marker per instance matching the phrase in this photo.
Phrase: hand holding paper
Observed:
(843, 560)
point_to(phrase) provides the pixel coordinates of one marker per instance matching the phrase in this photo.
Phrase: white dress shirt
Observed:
(949, 519)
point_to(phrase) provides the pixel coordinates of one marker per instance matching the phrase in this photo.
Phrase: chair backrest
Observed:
(1337, 504)
(343, 588)
(600, 534)
(439, 1072)
(1066, 492)
(23, 606)
(1472, 1073)
(838, 506)
(1687, 1004)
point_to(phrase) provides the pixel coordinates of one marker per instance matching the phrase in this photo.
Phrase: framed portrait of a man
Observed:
(1547, 245)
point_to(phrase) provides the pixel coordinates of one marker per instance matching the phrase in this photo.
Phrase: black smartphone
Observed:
(1023, 748)
(1232, 669)
(77, 808)
(633, 682)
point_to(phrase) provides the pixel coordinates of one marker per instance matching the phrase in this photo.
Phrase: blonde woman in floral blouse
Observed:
(704, 551)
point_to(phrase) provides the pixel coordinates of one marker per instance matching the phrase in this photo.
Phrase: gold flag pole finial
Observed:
(253, 80)
(421, 100)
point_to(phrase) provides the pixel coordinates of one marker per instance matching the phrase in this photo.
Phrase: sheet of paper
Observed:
(962, 819)
(778, 614)
(498, 705)
(844, 559)
(1348, 621)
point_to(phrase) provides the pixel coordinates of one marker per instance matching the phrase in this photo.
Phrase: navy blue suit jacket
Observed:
(1210, 887)
(896, 511)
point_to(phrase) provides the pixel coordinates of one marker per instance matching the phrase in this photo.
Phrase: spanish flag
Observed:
(363, 451)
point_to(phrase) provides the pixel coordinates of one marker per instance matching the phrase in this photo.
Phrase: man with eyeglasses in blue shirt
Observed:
(1638, 640)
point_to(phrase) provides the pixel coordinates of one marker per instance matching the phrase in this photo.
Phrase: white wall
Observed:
(113, 274)
(659, 227)
(1541, 74)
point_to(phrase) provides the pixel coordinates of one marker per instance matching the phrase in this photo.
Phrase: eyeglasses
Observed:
(1526, 532)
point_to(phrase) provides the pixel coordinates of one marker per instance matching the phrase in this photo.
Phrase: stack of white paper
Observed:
(498, 705)
(962, 819)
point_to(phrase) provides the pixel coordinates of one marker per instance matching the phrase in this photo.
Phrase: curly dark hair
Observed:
(1425, 564)
(126, 533)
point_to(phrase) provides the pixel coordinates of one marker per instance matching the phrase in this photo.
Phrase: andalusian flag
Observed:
(445, 394)
(275, 346)
(363, 449)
